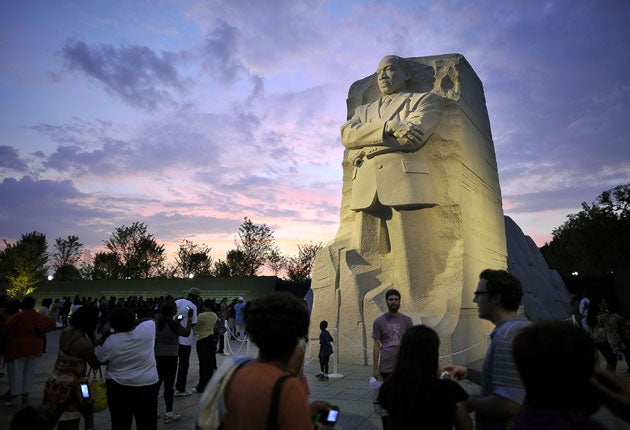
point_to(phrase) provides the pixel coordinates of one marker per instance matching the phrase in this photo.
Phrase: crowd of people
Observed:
(534, 376)
(144, 344)
(541, 375)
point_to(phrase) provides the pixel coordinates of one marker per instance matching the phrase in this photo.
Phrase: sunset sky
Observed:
(190, 115)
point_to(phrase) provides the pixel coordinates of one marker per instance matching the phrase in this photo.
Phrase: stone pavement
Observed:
(350, 392)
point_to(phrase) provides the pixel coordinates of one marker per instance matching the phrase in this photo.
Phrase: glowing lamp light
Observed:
(190, 276)
(50, 277)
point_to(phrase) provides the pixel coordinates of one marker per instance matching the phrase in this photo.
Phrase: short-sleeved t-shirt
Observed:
(182, 309)
(389, 331)
(130, 356)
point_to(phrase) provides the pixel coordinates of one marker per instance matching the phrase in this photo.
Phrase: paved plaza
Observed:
(349, 390)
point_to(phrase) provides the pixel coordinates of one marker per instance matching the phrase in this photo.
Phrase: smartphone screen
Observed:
(332, 416)
(85, 391)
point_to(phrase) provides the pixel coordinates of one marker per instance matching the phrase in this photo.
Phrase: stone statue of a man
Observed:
(385, 138)
(391, 182)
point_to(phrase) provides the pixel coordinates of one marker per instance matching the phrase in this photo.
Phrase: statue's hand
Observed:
(405, 132)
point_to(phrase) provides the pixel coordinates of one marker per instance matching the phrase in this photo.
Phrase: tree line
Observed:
(134, 253)
(596, 240)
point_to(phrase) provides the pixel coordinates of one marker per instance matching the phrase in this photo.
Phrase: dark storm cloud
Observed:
(10, 159)
(51, 207)
(139, 76)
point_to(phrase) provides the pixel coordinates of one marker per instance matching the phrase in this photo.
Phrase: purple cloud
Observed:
(10, 159)
(136, 74)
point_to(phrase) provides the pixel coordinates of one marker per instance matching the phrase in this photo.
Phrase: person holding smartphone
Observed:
(168, 328)
(185, 342)
(76, 351)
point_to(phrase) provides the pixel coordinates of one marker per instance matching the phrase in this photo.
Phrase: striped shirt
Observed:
(500, 376)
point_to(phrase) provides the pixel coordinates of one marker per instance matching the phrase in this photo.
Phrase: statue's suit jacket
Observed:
(384, 170)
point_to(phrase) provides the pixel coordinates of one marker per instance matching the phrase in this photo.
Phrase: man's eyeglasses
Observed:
(480, 293)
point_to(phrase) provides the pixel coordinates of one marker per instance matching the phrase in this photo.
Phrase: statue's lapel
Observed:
(397, 103)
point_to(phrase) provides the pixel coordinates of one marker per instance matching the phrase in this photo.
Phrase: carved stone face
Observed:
(391, 76)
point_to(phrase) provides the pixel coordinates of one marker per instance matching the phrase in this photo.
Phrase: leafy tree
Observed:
(221, 269)
(256, 242)
(193, 259)
(276, 261)
(23, 264)
(235, 265)
(66, 257)
(106, 266)
(86, 270)
(138, 253)
(595, 240)
(299, 268)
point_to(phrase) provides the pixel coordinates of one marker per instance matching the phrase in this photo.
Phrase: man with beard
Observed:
(387, 331)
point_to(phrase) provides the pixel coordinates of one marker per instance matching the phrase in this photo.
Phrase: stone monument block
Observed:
(432, 249)
(545, 296)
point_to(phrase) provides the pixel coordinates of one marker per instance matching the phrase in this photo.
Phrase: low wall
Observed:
(247, 287)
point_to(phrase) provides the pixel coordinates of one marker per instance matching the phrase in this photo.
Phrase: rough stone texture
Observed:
(464, 232)
(545, 296)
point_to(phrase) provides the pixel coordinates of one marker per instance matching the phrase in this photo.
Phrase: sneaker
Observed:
(325, 378)
(26, 400)
(171, 418)
(183, 393)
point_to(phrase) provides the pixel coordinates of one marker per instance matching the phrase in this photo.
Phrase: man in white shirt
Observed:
(185, 343)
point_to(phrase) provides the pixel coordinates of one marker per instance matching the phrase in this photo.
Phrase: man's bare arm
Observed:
(376, 353)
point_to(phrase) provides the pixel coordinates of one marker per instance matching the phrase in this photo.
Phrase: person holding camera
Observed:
(168, 328)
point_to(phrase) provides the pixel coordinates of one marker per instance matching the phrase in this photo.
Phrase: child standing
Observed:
(325, 350)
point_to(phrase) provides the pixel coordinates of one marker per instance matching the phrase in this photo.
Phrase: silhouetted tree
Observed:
(193, 259)
(255, 243)
(138, 253)
(106, 266)
(66, 258)
(276, 261)
(299, 268)
(596, 240)
(221, 269)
